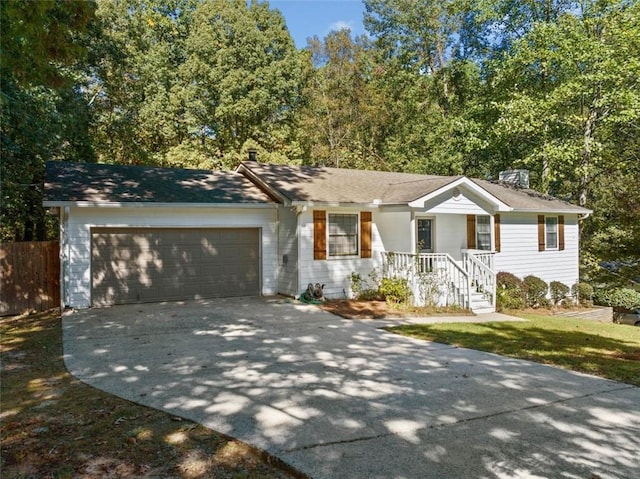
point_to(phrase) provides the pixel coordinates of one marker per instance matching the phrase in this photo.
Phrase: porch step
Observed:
(479, 305)
(483, 310)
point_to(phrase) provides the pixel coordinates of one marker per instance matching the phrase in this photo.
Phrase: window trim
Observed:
(488, 232)
(542, 233)
(358, 236)
(547, 232)
(433, 234)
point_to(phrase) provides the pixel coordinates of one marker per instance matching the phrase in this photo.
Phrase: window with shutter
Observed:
(343, 234)
(551, 232)
(483, 232)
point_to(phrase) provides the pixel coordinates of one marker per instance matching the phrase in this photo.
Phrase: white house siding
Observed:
(394, 228)
(77, 238)
(519, 253)
(334, 273)
(451, 234)
(288, 252)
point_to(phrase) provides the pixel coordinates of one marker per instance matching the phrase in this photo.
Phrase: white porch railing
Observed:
(434, 278)
(438, 279)
(479, 265)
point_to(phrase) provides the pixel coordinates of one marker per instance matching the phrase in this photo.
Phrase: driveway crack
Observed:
(333, 443)
(528, 408)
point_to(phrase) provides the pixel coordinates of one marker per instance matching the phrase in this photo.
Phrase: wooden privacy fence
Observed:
(29, 276)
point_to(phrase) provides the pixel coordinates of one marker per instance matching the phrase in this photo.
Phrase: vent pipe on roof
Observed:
(253, 154)
(518, 178)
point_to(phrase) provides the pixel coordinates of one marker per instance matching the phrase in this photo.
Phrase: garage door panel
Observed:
(130, 265)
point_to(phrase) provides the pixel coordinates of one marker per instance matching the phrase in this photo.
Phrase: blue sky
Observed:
(306, 18)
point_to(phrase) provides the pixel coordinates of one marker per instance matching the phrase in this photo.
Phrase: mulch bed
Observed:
(354, 309)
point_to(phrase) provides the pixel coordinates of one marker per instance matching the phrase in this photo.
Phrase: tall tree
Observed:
(567, 107)
(195, 83)
(343, 112)
(427, 53)
(44, 116)
(566, 91)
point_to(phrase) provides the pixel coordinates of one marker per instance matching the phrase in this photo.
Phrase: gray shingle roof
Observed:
(101, 183)
(338, 185)
(524, 199)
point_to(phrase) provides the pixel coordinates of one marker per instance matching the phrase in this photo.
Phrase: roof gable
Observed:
(462, 183)
(91, 183)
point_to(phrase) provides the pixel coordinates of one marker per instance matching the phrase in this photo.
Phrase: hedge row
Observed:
(515, 293)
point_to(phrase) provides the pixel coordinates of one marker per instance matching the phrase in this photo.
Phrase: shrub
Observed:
(509, 291)
(395, 290)
(430, 285)
(535, 291)
(363, 289)
(582, 293)
(620, 298)
(558, 291)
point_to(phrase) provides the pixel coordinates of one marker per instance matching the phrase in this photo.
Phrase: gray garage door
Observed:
(136, 265)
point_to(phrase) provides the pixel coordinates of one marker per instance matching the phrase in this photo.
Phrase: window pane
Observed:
(424, 235)
(551, 232)
(343, 245)
(483, 232)
(343, 234)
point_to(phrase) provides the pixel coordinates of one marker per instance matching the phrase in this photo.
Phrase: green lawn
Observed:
(603, 349)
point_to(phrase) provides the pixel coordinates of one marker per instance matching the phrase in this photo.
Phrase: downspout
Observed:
(64, 257)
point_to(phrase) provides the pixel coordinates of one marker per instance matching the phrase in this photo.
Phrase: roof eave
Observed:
(582, 211)
(148, 204)
(337, 204)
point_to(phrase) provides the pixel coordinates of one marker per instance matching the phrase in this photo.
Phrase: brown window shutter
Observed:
(561, 232)
(540, 232)
(365, 234)
(319, 234)
(496, 232)
(471, 231)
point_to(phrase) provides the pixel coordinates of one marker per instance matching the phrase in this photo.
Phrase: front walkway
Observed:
(338, 398)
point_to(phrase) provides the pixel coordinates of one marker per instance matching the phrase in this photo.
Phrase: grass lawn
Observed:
(603, 349)
(54, 426)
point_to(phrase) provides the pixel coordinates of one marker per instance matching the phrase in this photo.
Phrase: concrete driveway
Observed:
(337, 398)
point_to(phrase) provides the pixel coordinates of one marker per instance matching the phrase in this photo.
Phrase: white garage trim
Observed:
(77, 224)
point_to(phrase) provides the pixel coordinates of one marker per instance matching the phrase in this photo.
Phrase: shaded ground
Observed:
(353, 309)
(53, 425)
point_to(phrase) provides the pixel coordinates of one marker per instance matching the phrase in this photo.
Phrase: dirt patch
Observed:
(354, 309)
(53, 425)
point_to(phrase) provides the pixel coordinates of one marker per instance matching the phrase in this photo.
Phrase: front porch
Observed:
(438, 279)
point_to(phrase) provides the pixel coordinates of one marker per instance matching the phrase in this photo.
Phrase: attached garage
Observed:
(138, 234)
(131, 265)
